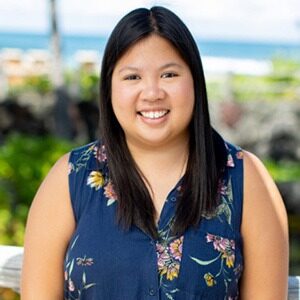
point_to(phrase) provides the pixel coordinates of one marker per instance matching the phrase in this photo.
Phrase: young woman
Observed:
(161, 207)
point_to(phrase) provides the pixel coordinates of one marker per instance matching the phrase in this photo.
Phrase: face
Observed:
(153, 94)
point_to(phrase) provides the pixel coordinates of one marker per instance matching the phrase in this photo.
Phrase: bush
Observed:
(24, 162)
(283, 171)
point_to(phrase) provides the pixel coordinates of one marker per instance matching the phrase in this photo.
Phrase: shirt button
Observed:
(152, 292)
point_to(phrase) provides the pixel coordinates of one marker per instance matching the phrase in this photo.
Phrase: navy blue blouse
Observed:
(105, 262)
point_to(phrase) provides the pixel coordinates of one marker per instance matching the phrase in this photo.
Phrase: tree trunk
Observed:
(57, 77)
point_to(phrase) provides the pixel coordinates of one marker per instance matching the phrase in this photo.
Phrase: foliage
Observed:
(89, 86)
(281, 84)
(85, 84)
(40, 84)
(283, 171)
(24, 162)
(8, 294)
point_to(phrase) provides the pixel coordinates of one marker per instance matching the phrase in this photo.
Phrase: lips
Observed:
(154, 114)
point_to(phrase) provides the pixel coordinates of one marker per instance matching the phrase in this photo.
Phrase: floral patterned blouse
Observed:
(103, 262)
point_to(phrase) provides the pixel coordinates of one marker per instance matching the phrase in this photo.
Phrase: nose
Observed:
(152, 91)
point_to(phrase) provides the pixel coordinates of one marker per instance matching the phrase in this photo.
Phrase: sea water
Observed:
(215, 53)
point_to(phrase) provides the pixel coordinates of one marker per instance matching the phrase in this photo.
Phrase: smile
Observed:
(153, 114)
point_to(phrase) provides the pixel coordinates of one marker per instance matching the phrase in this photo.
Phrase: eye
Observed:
(169, 75)
(132, 77)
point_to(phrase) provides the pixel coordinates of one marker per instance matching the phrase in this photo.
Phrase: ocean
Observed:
(214, 52)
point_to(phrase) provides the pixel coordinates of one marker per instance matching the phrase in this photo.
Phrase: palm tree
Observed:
(57, 77)
(63, 126)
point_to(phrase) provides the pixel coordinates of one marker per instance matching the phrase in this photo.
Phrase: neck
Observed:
(161, 168)
(162, 158)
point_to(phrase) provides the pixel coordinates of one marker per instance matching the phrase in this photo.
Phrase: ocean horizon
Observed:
(217, 52)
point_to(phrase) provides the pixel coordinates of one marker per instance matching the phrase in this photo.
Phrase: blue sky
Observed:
(263, 20)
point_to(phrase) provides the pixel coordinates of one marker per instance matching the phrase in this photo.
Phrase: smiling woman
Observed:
(153, 94)
(160, 206)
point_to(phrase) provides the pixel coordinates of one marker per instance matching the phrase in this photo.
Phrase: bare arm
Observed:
(265, 234)
(49, 227)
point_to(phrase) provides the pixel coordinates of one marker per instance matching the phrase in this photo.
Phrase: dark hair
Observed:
(206, 148)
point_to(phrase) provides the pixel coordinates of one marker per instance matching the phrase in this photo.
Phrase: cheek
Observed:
(121, 97)
(185, 94)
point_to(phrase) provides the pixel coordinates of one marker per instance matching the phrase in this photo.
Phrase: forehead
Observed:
(152, 49)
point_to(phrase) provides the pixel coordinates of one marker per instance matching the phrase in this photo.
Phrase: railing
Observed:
(11, 261)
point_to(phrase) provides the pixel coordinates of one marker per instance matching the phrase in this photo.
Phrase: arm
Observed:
(49, 227)
(265, 234)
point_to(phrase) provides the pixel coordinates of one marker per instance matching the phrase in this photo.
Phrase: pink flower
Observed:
(70, 168)
(224, 246)
(71, 286)
(222, 188)
(176, 248)
(230, 162)
(160, 248)
(110, 193)
(100, 153)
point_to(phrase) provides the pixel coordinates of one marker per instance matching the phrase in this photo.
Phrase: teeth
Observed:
(153, 114)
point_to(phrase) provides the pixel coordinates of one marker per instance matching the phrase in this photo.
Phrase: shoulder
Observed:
(49, 227)
(265, 234)
(260, 193)
(53, 193)
(258, 183)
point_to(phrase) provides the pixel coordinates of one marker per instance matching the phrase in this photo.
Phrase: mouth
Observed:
(152, 115)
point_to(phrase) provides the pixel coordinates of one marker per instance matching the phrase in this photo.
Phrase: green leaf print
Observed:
(227, 213)
(110, 202)
(88, 286)
(205, 262)
(84, 278)
(71, 267)
(229, 191)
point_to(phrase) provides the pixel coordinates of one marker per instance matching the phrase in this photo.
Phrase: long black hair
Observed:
(207, 153)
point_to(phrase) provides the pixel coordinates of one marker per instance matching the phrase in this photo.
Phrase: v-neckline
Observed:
(170, 199)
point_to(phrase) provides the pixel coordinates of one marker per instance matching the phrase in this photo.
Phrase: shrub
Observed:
(24, 162)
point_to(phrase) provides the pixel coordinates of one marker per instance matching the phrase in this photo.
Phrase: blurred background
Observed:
(50, 56)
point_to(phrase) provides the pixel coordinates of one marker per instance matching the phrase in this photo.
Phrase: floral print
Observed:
(95, 180)
(210, 279)
(226, 249)
(239, 155)
(74, 292)
(168, 258)
(100, 153)
(230, 162)
(84, 261)
(224, 209)
(110, 193)
(224, 246)
(216, 257)
(83, 159)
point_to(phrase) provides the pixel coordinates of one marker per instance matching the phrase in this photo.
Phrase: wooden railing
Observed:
(11, 261)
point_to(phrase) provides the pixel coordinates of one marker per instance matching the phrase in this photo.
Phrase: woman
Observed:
(160, 207)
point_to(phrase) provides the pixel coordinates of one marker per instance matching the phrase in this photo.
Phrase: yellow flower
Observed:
(210, 280)
(95, 180)
(176, 248)
(229, 256)
(173, 270)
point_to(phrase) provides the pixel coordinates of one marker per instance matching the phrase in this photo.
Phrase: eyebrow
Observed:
(165, 66)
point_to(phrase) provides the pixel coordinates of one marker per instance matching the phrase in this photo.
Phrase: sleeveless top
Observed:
(104, 262)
